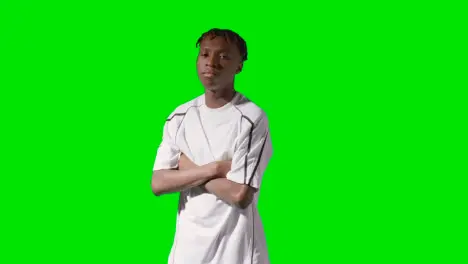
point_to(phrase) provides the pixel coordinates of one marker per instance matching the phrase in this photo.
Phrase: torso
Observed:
(209, 231)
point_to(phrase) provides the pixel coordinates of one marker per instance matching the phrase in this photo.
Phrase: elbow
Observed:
(242, 200)
(156, 187)
(156, 192)
(242, 205)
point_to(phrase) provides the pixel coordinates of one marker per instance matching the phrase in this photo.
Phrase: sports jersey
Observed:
(209, 230)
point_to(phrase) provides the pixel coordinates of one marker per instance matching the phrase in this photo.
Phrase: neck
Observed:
(216, 99)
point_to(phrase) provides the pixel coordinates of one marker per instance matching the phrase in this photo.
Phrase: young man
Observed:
(214, 151)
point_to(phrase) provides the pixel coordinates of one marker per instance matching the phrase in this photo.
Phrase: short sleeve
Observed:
(168, 153)
(253, 152)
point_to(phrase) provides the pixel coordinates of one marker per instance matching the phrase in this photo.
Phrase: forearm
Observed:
(169, 181)
(238, 195)
(228, 191)
(221, 187)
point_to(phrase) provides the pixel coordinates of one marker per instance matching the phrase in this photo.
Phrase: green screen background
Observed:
(365, 102)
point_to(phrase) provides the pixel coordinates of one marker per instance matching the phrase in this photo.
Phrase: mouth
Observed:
(209, 74)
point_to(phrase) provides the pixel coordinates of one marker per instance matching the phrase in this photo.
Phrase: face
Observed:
(217, 63)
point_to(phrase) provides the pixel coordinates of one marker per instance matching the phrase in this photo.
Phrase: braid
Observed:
(230, 36)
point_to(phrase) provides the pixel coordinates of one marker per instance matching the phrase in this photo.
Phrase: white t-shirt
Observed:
(210, 231)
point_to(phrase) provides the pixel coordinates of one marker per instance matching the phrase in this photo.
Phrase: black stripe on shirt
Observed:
(258, 160)
(180, 114)
(176, 114)
(248, 147)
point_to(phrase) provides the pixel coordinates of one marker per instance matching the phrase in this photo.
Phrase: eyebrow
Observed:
(220, 50)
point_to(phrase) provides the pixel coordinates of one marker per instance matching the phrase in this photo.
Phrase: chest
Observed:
(206, 138)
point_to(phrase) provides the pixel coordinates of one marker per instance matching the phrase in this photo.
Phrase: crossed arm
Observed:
(236, 194)
(236, 184)
(211, 176)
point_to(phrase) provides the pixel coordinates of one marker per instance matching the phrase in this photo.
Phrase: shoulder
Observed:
(175, 119)
(251, 111)
(182, 109)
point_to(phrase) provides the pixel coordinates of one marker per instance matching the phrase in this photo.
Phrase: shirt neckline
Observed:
(223, 108)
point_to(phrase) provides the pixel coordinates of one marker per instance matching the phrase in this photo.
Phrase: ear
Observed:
(239, 68)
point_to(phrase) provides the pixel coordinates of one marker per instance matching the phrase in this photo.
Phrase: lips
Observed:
(210, 71)
(209, 74)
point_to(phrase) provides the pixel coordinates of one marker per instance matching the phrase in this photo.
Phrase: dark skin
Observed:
(217, 64)
(239, 195)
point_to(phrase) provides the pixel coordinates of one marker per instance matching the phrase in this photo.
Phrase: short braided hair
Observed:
(230, 36)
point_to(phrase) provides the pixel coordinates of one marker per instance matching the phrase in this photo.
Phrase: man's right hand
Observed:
(218, 169)
(185, 163)
(187, 176)
(223, 168)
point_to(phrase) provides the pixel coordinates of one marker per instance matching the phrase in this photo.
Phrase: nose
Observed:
(212, 61)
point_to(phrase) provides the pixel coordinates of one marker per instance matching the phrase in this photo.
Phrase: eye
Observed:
(224, 57)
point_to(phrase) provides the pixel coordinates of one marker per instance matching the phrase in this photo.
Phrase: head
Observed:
(221, 56)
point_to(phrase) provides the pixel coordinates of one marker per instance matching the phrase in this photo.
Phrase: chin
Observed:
(212, 88)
